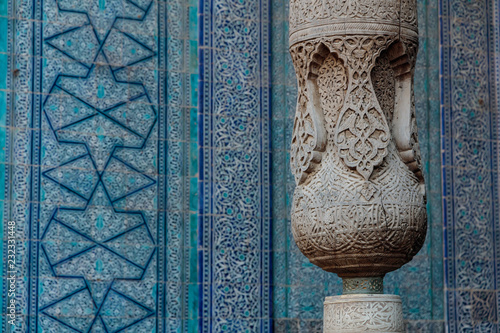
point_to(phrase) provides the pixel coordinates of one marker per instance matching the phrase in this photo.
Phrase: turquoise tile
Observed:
(127, 191)
(194, 89)
(4, 23)
(193, 125)
(4, 58)
(193, 56)
(193, 194)
(4, 17)
(193, 23)
(193, 161)
(193, 236)
(4, 7)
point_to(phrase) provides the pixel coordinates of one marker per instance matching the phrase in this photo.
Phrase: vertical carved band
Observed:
(362, 133)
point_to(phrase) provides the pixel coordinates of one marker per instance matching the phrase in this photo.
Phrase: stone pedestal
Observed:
(363, 313)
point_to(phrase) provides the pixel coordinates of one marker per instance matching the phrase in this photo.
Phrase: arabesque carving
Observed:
(363, 313)
(359, 205)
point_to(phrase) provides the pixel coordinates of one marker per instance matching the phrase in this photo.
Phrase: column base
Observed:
(363, 313)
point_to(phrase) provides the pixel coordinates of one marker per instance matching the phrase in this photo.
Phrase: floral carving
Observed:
(309, 136)
(318, 18)
(362, 133)
(332, 83)
(359, 206)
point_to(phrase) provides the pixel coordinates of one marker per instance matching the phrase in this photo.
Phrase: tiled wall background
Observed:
(186, 208)
(235, 156)
(470, 105)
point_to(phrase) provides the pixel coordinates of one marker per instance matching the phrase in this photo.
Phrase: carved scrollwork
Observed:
(362, 133)
(306, 12)
(317, 18)
(361, 130)
(309, 135)
(358, 209)
(358, 313)
(332, 83)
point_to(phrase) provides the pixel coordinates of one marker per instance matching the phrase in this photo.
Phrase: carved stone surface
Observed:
(317, 18)
(363, 285)
(363, 313)
(359, 205)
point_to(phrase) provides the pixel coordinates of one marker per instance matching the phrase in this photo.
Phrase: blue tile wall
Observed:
(469, 110)
(235, 187)
(146, 165)
(100, 170)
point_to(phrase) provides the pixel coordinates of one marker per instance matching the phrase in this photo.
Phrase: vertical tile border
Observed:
(465, 300)
(5, 122)
(213, 170)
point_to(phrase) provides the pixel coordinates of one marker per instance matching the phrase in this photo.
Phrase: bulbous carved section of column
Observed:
(359, 205)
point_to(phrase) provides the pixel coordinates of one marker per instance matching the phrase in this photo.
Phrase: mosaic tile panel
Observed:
(469, 109)
(235, 202)
(99, 172)
(299, 287)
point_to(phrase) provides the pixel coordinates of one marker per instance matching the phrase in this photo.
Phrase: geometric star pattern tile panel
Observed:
(100, 172)
(138, 211)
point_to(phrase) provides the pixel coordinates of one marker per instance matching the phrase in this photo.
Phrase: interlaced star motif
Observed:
(106, 113)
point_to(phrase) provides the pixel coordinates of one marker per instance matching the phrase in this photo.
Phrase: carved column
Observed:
(359, 205)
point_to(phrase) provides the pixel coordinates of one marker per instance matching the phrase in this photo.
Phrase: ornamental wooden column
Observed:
(359, 205)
